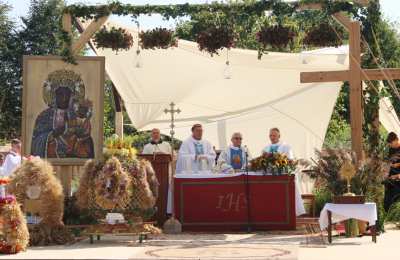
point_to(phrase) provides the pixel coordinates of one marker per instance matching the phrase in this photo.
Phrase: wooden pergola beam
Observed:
(93, 27)
(324, 76)
(344, 75)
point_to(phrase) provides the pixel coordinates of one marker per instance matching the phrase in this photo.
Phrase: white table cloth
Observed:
(340, 212)
(300, 210)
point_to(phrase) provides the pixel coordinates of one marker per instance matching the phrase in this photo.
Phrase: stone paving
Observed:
(271, 245)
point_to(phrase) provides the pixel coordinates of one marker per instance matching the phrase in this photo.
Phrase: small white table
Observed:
(333, 213)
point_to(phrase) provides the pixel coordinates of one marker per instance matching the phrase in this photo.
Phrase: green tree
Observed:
(10, 85)
(38, 36)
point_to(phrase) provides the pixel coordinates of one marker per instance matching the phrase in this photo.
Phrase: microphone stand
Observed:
(249, 227)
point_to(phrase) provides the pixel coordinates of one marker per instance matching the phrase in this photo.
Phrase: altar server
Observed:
(195, 154)
(157, 145)
(276, 146)
(235, 155)
(13, 158)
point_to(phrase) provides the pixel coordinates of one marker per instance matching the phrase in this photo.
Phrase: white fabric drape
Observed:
(260, 94)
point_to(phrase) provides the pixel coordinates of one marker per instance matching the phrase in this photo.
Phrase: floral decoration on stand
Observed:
(275, 163)
(120, 183)
(215, 38)
(116, 39)
(35, 180)
(112, 186)
(158, 38)
(324, 35)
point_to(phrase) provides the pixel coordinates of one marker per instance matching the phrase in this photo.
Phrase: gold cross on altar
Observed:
(355, 75)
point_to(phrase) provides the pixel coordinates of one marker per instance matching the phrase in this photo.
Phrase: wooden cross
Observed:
(355, 75)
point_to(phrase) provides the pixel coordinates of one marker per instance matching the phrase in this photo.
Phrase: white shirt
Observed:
(163, 147)
(225, 156)
(281, 148)
(190, 152)
(11, 162)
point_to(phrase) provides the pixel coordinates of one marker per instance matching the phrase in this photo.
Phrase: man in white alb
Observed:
(13, 158)
(276, 146)
(235, 155)
(157, 145)
(195, 154)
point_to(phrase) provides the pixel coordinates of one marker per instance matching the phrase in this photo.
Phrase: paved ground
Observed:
(222, 247)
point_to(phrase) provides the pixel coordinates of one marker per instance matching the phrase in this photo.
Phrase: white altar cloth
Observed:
(300, 210)
(340, 212)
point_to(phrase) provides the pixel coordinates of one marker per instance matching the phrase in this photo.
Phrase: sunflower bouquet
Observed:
(275, 163)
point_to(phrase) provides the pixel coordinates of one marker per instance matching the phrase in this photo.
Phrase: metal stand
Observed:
(249, 227)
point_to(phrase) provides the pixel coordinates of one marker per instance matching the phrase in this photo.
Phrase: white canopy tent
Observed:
(259, 95)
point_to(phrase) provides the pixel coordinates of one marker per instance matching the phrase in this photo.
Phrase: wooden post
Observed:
(119, 116)
(356, 114)
(119, 124)
(67, 25)
(64, 174)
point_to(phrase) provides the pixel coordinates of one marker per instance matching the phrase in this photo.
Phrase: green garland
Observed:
(279, 9)
(173, 11)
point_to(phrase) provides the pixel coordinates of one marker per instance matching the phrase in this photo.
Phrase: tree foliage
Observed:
(38, 36)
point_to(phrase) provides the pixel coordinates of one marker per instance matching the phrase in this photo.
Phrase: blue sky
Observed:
(391, 10)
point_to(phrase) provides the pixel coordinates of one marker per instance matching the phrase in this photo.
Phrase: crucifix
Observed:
(172, 225)
(355, 75)
(172, 110)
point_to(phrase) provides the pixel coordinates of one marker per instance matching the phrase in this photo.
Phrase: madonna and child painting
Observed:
(67, 126)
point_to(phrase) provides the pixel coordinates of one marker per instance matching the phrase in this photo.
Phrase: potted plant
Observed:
(158, 38)
(276, 36)
(324, 35)
(215, 38)
(116, 39)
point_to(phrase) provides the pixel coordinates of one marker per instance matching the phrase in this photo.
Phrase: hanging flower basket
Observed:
(276, 36)
(324, 35)
(158, 38)
(116, 39)
(216, 38)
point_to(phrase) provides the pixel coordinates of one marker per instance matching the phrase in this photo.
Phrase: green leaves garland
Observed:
(116, 39)
(158, 38)
(224, 35)
(173, 11)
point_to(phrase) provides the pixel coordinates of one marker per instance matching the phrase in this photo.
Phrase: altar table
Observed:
(219, 203)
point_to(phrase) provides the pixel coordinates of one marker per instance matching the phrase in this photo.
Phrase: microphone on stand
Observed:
(249, 228)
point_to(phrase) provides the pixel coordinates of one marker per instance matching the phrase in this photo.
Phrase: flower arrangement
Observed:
(216, 38)
(276, 36)
(158, 38)
(15, 235)
(324, 35)
(116, 39)
(275, 163)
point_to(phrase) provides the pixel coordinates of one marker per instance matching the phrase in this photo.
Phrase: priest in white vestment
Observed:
(195, 154)
(235, 156)
(13, 158)
(276, 146)
(157, 145)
